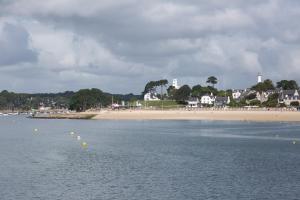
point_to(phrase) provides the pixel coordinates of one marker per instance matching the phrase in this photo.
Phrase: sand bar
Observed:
(276, 116)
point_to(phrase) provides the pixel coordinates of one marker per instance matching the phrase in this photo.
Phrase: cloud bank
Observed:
(118, 46)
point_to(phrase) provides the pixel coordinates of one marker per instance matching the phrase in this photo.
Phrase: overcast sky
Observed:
(119, 45)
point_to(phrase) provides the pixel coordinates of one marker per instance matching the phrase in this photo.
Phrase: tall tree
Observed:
(150, 87)
(162, 83)
(171, 90)
(212, 80)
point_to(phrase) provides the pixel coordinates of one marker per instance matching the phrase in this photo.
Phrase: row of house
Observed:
(284, 96)
(208, 100)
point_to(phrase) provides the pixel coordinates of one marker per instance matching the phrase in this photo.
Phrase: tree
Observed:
(264, 86)
(171, 90)
(162, 83)
(272, 100)
(196, 90)
(212, 80)
(150, 87)
(183, 93)
(295, 103)
(85, 99)
(287, 85)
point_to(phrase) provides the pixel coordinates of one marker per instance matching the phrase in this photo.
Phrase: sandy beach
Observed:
(283, 116)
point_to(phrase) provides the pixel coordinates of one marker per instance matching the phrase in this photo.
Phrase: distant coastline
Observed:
(230, 115)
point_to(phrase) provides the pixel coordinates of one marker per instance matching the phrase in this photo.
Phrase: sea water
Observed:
(139, 160)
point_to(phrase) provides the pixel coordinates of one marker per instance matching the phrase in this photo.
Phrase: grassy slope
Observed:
(166, 104)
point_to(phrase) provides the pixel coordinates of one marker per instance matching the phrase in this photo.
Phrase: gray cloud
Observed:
(120, 45)
(14, 46)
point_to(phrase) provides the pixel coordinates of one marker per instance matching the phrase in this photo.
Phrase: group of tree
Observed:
(287, 85)
(80, 101)
(24, 101)
(89, 98)
(151, 86)
(184, 92)
(263, 86)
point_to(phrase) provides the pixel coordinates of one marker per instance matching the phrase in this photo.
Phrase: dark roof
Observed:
(288, 92)
(221, 99)
(193, 99)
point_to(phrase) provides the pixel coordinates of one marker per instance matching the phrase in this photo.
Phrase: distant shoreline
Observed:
(267, 116)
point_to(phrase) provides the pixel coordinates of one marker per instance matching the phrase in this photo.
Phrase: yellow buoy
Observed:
(84, 145)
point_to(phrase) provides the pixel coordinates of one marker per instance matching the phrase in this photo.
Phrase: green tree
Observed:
(263, 86)
(88, 98)
(162, 83)
(272, 101)
(295, 103)
(212, 80)
(197, 90)
(150, 87)
(287, 85)
(183, 93)
(171, 90)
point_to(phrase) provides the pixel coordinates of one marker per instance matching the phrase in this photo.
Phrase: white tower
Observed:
(175, 84)
(259, 78)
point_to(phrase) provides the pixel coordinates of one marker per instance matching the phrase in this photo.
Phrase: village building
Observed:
(236, 94)
(193, 102)
(288, 96)
(151, 96)
(207, 99)
(222, 101)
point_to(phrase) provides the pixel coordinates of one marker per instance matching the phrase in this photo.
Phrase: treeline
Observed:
(80, 100)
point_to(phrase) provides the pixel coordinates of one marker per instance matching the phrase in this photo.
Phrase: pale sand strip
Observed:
(199, 115)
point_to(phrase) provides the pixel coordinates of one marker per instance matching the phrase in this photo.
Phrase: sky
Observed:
(120, 45)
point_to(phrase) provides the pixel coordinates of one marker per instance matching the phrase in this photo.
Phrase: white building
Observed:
(193, 102)
(175, 84)
(150, 96)
(236, 94)
(259, 78)
(208, 99)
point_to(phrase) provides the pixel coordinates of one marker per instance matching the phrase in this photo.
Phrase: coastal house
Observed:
(264, 96)
(288, 96)
(221, 101)
(207, 99)
(236, 94)
(151, 96)
(193, 102)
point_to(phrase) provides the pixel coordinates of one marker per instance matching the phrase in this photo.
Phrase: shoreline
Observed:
(262, 116)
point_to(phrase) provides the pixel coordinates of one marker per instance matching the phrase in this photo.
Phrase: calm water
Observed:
(144, 160)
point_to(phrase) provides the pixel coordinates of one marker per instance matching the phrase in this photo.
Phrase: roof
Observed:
(288, 92)
(193, 99)
(221, 99)
(208, 95)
